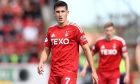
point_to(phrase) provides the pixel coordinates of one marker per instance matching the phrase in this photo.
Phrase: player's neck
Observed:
(63, 24)
(109, 38)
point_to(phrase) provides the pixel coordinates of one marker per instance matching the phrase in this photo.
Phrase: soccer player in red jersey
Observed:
(111, 49)
(63, 40)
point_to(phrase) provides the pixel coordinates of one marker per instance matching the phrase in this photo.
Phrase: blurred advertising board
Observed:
(22, 74)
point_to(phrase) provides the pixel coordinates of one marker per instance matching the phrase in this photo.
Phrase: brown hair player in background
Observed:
(111, 50)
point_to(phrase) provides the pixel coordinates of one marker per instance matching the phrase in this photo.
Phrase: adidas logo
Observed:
(102, 47)
(53, 35)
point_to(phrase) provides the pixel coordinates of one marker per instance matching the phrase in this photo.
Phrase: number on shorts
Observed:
(67, 80)
(118, 81)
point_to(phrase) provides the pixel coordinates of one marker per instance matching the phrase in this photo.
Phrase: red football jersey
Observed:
(64, 43)
(110, 52)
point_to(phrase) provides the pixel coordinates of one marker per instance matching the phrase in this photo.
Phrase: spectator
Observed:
(21, 27)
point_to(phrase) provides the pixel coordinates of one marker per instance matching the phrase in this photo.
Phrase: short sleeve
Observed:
(95, 48)
(47, 41)
(81, 38)
(124, 47)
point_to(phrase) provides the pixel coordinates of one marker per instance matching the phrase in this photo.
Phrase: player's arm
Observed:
(127, 66)
(43, 58)
(138, 55)
(89, 58)
(83, 72)
(126, 59)
(94, 51)
(44, 55)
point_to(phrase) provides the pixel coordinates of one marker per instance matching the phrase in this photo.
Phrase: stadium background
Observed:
(23, 24)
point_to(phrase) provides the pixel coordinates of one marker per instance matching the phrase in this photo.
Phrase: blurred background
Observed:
(23, 24)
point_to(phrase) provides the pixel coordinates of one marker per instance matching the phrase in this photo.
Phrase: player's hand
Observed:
(126, 79)
(95, 78)
(83, 73)
(40, 68)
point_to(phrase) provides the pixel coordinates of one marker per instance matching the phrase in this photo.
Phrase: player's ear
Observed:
(53, 13)
(114, 30)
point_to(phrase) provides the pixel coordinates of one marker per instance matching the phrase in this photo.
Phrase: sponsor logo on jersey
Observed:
(108, 51)
(105, 51)
(57, 41)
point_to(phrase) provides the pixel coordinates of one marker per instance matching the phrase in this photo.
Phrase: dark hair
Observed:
(60, 3)
(108, 24)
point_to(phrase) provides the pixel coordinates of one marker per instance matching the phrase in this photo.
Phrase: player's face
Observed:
(61, 14)
(109, 32)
